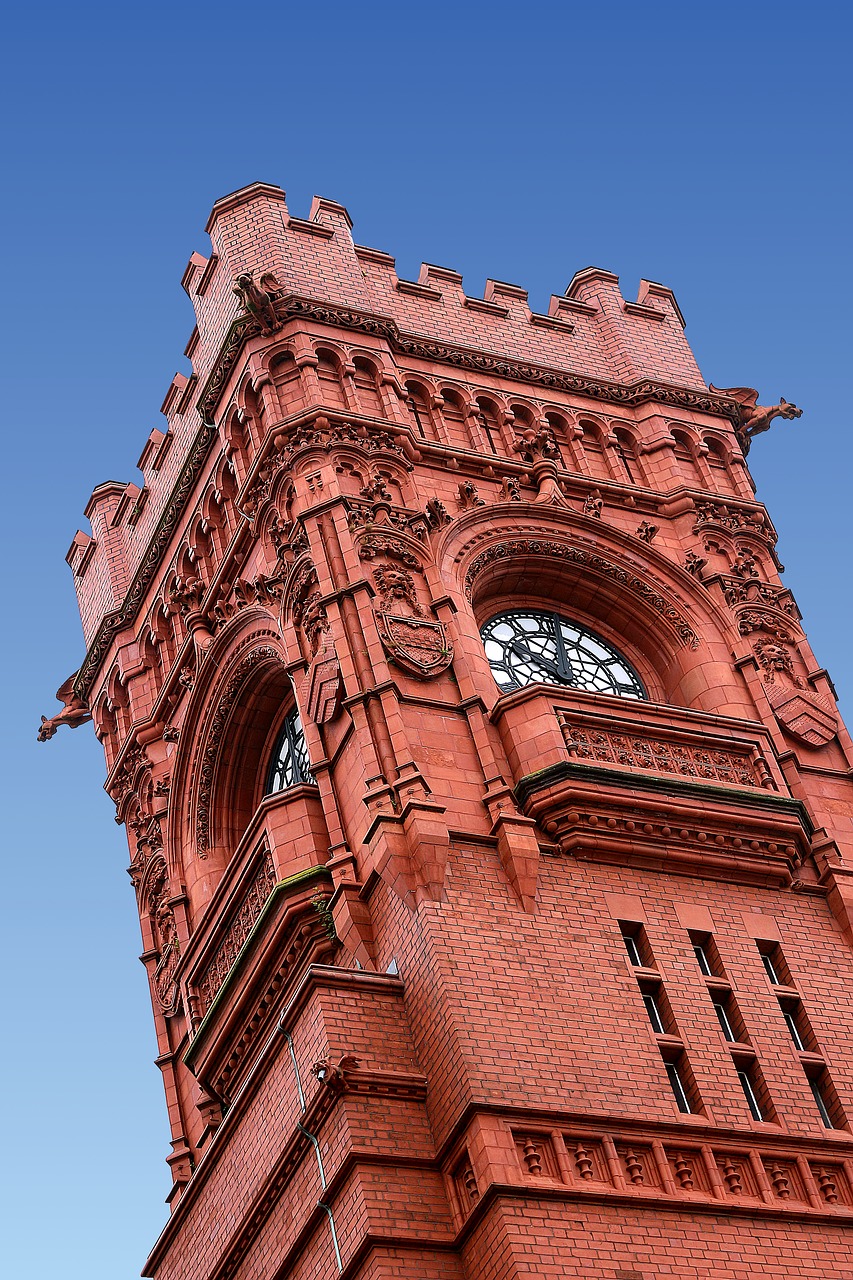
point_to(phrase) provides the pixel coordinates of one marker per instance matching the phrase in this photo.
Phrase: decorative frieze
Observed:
(237, 931)
(637, 751)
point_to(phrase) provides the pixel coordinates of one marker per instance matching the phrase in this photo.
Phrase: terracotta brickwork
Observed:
(536, 981)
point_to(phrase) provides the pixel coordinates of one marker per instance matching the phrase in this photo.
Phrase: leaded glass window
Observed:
(290, 764)
(531, 646)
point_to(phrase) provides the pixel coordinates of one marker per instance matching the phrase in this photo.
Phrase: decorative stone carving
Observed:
(74, 712)
(593, 505)
(258, 299)
(745, 565)
(236, 932)
(186, 594)
(396, 587)
(418, 645)
(436, 513)
(751, 590)
(694, 564)
(803, 712)
(642, 752)
(751, 620)
(510, 490)
(523, 547)
(754, 417)
(532, 445)
(377, 544)
(647, 532)
(165, 937)
(468, 496)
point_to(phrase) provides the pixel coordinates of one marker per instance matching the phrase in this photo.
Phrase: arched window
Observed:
(285, 376)
(593, 448)
(686, 458)
(289, 764)
(329, 375)
(719, 467)
(418, 406)
(529, 646)
(626, 448)
(487, 416)
(367, 389)
(454, 417)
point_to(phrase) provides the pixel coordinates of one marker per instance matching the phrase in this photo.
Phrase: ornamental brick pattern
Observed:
(543, 982)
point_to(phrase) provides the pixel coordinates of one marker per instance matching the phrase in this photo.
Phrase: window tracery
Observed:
(531, 646)
(290, 764)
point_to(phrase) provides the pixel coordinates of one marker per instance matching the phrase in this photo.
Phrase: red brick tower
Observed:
(489, 814)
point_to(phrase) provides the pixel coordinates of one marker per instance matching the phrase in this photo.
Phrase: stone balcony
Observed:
(630, 782)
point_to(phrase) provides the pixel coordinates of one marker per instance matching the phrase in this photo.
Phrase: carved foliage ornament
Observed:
(522, 547)
(164, 934)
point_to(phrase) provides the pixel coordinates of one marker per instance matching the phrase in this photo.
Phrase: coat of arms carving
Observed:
(417, 645)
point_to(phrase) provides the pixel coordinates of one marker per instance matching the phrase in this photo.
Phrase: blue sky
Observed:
(705, 146)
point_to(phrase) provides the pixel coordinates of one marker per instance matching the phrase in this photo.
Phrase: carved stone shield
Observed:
(415, 644)
(324, 686)
(805, 714)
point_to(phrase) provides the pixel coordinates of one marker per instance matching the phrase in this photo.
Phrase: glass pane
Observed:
(538, 647)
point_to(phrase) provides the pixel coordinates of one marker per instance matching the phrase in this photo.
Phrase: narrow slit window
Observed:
(725, 1024)
(820, 1103)
(633, 950)
(791, 1024)
(702, 959)
(677, 1085)
(770, 968)
(654, 1015)
(749, 1092)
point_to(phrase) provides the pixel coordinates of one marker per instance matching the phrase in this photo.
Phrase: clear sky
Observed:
(702, 145)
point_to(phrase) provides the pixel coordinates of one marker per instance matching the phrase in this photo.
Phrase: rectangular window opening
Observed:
(826, 1100)
(707, 955)
(654, 1014)
(725, 1024)
(791, 1024)
(775, 967)
(746, 1078)
(636, 944)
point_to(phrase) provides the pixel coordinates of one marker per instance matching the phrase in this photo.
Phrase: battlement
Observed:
(590, 330)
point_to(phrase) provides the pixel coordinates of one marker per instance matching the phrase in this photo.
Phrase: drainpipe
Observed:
(316, 1145)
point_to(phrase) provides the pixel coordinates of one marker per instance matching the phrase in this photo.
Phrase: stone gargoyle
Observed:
(258, 298)
(754, 417)
(74, 712)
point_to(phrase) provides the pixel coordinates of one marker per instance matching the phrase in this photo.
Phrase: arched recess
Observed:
(722, 480)
(241, 694)
(654, 613)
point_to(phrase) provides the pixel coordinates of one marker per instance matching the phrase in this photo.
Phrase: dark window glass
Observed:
(677, 1086)
(534, 647)
(702, 958)
(654, 1014)
(770, 969)
(632, 949)
(289, 764)
(749, 1093)
(820, 1103)
(723, 1019)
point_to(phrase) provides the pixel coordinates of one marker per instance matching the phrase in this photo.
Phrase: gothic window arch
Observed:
(593, 449)
(454, 417)
(626, 451)
(417, 402)
(289, 763)
(685, 457)
(287, 382)
(721, 477)
(533, 646)
(329, 376)
(487, 416)
(367, 388)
